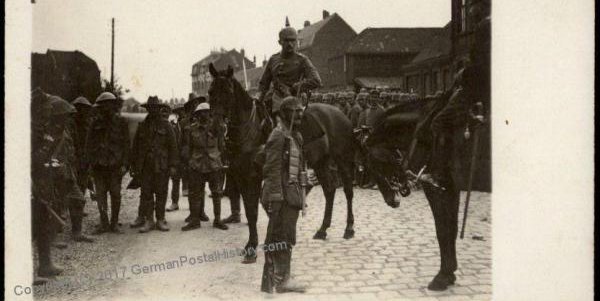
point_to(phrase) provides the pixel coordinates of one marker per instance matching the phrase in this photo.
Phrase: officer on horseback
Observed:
(288, 71)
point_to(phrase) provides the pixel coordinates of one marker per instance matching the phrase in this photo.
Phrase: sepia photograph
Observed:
(229, 150)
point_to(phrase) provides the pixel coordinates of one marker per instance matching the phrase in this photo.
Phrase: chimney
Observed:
(254, 60)
(264, 64)
(325, 14)
(306, 23)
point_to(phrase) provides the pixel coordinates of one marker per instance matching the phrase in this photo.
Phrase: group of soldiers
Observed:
(73, 142)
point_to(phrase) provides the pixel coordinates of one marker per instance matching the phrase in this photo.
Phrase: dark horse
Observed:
(327, 135)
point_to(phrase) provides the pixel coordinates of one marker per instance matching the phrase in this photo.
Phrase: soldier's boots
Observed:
(217, 223)
(114, 218)
(202, 215)
(161, 225)
(441, 281)
(191, 225)
(173, 207)
(148, 225)
(49, 270)
(138, 222)
(184, 192)
(234, 218)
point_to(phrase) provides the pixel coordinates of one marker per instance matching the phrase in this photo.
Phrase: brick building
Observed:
(68, 74)
(325, 43)
(376, 56)
(201, 78)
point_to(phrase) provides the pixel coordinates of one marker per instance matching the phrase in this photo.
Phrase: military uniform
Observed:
(107, 153)
(154, 155)
(282, 195)
(43, 145)
(205, 165)
(176, 179)
(287, 74)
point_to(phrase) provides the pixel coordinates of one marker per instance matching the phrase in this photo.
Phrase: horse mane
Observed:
(243, 99)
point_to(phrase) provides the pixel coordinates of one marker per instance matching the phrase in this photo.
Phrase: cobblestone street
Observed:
(393, 255)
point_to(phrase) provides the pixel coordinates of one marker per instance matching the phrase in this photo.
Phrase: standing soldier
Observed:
(176, 180)
(155, 159)
(287, 73)
(43, 217)
(282, 197)
(82, 125)
(205, 166)
(107, 154)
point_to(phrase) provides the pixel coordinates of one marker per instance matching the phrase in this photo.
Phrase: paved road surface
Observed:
(393, 256)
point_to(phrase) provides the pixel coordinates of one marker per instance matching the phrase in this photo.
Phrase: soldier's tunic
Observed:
(107, 151)
(354, 114)
(154, 153)
(283, 72)
(82, 125)
(205, 166)
(282, 192)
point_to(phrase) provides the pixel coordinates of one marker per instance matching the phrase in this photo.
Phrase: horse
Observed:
(327, 135)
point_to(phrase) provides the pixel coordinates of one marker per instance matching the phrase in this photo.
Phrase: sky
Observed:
(157, 42)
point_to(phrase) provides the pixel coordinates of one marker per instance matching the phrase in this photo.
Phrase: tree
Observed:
(118, 90)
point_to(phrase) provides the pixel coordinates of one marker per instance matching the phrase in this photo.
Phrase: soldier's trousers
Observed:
(198, 181)
(108, 181)
(155, 188)
(76, 213)
(175, 186)
(444, 206)
(281, 236)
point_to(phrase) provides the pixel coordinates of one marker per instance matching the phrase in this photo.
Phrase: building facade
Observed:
(376, 57)
(221, 59)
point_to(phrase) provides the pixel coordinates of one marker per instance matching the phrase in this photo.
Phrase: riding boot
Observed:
(141, 217)
(46, 267)
(193, 222)
(114, 216)
(217, 223)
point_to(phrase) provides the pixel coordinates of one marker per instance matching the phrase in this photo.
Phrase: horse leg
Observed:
(326, 181)
(250, 201)
(346, 173)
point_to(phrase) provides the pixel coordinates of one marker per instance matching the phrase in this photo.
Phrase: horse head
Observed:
(221, 92)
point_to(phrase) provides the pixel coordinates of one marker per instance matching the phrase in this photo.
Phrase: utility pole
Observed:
(112, 57)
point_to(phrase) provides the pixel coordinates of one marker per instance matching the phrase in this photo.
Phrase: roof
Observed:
(439, 46)
(66, 58)
(376, 82)
(306, 35)
(392, 40)
(223, 59)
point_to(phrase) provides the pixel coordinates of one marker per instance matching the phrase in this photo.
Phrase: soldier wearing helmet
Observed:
(107, 156)
(83, 119)
(287, 73)
(205, 166)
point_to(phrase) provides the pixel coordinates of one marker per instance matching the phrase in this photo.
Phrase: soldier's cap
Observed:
(153, 102)
(82, 101)
(288, 102)
(384, 94)
(362, 95)
(288, 33)
(327, 96)
(61, 106)
(202, 107)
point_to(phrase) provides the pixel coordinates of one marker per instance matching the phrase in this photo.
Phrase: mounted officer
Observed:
(155, 160)
(107, 155)
(282, 197)
(287, 73)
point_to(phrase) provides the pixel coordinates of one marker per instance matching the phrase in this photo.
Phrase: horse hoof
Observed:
(249, 259)
(393, 203)
(348, 234)
(320, 235)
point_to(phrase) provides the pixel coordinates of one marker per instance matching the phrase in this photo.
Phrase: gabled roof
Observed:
(392, 40)
(306, 35)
